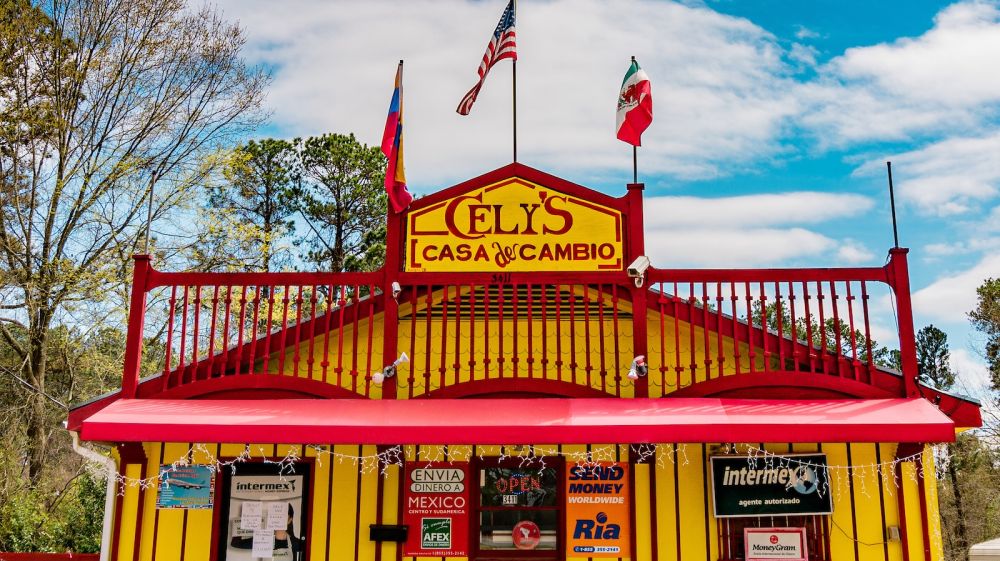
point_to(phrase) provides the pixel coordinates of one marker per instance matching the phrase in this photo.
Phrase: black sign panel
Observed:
(794, 484)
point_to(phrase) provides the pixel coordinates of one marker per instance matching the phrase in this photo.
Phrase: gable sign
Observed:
(514, 226)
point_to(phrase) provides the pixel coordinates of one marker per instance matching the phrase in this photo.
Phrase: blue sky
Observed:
(772, 120)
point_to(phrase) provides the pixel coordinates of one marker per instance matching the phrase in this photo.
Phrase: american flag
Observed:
(502, 45)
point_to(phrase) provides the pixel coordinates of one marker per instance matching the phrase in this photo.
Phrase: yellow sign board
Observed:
(514, 226)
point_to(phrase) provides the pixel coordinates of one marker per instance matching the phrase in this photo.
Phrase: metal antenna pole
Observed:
(892, 206)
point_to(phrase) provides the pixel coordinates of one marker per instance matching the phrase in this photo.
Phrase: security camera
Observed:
(390, 370)
(638, 267)
(637, 270)
(638, 368)
(396, 290)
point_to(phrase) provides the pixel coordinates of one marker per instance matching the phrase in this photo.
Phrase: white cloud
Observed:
(947, 65)
(937, 82)
(936, 251)
(750, 230)
(854, 252)
(719, 95)
(803, 32)
(950, 297)
(804, 55)
(971, 372)
(799, 207)
(953, 176)
(746, 247)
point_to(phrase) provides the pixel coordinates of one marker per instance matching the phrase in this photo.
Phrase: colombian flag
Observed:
(392, 147)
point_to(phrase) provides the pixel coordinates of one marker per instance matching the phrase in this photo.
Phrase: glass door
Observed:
(519, 510)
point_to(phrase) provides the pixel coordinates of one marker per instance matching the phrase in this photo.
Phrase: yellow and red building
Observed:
(557, 400)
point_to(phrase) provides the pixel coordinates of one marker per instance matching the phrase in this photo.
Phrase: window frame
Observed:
(477, 554)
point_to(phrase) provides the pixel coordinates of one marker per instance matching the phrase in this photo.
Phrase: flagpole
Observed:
(514, 71)
(514, 67)
(635, 150)
(635, 167)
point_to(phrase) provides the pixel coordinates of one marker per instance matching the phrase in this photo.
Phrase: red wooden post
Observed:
(393, 265)
(136, 322)
(636, 247)
(899, 279)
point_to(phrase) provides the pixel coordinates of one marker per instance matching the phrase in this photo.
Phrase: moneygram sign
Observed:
(775, 544)
(514, 226)
(777, 485)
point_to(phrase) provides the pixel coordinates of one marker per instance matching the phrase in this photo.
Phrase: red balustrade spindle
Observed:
(855, 363)
(720, 357)
(572, 334)
(530, 289)
(171, 310)
(444, 335)
(764, 335)
(182, 352)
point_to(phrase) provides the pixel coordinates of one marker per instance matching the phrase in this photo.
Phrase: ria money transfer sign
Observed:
(514, 226)
(793, 484)
(597, 509)
(436, 509)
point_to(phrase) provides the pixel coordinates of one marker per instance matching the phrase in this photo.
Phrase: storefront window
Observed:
(264, 513)
(519, 508)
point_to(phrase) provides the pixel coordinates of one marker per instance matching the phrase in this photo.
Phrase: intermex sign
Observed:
(795, 484)
(514, 226)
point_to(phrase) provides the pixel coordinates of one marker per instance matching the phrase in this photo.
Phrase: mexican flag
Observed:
(635, 105)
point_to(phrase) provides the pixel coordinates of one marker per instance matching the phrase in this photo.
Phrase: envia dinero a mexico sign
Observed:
(436, 508)
(517, 226)
(792, 484)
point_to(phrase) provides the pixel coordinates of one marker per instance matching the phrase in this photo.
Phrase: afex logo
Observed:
(435, 533)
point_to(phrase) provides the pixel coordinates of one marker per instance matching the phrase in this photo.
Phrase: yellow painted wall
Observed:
(678, 513)
(578, 348)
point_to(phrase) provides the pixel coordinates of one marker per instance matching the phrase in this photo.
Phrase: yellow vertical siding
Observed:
(931, 497)
(130, 512)
(344, 533)
(666, 502)
(891, 493)
(911, 494)
(644, 506)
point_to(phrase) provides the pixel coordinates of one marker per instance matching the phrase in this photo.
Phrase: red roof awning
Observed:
(516, 421)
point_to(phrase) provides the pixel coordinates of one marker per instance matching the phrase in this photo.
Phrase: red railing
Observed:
(772, 321)
(516, 329)
(198, 326)
(579, 329)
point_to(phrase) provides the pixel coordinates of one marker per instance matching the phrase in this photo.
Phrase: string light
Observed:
(535, 457)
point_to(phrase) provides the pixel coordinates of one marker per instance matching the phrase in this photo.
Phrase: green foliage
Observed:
(62, 508)
(98, 104)
(969, 495)
(252, 206)
(933, 358)
(332, 180)
(835, 335)
(986, 319)
(33, 519)
(343, 198)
